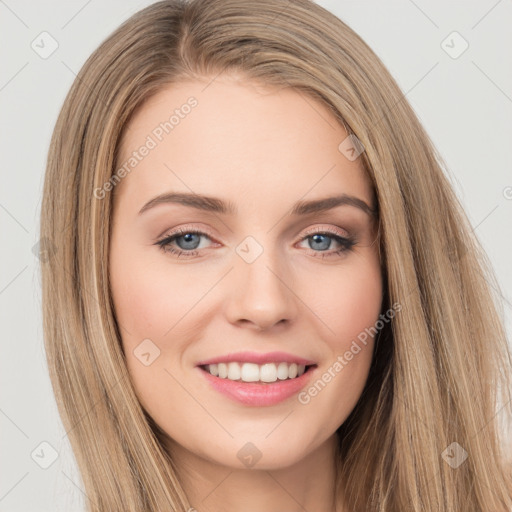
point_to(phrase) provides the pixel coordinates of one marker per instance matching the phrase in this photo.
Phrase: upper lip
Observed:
(258, 358)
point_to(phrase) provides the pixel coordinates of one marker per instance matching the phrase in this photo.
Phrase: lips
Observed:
(257, 358)
(258, 394)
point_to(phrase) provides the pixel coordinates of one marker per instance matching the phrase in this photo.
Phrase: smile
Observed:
(251, 372)
(256, 392)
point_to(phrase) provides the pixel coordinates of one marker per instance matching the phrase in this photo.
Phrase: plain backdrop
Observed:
(463, 98)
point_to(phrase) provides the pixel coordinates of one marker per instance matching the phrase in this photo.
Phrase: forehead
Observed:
(240, 139)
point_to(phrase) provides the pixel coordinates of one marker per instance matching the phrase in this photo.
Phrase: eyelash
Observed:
(346, 243)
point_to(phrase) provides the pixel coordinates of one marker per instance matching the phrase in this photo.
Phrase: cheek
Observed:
(149, 297)
(349, 302)
(151, 302)
(359, 305)
(350, 309)
(350, 312)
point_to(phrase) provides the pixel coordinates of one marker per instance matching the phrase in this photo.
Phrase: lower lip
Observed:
(256, 394)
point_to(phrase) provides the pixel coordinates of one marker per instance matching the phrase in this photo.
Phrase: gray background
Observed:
(465, 103)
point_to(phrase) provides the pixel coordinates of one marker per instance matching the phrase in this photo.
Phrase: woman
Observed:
(331, 343)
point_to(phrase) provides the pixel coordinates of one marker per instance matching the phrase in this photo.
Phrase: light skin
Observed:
(261, 150)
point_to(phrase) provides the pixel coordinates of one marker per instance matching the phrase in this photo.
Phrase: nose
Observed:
(260, 293)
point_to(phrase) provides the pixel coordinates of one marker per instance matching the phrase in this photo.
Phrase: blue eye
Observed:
(323, 240)
(189, 240)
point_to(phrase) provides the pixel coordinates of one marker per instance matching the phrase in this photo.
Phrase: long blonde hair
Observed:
(440, 366)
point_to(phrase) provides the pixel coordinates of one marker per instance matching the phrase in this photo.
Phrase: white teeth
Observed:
(233, 371)
(223, 370)
(282, 371)
(268, 372)
(251, 372)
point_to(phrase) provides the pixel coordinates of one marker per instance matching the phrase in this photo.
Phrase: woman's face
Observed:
(269, 272)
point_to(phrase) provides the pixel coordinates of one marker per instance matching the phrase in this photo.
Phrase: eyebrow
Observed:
(216, 205)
